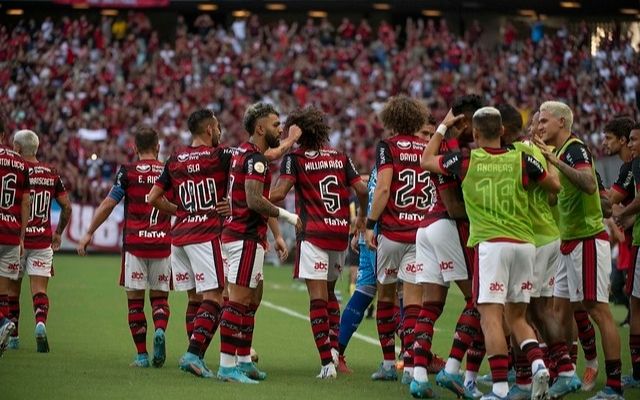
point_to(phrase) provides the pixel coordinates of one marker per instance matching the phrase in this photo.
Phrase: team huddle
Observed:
(516, 220)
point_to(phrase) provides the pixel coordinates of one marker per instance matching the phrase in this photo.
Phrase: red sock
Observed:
(476, 353)
(41, 307)
(231, 328)
(319, 318)
(410, 316)
(559, 353)
(429, 314)
(387, 324)
(333, 308)
(634, 347)
(248, 323)
(14, 313)
(204, 326)
(466, 329)
(499, 365)
(586, 334)
(614, 373)
(574, 353)
(190, 316)
(161, 312)
(4, 306)
(397, 321)
(523, 369)
(138, 324)
(532, 351)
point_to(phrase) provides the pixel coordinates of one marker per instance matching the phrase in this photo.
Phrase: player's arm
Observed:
(279, 192)
(547, 178)
(581, 175)
(285, 145)
(102, 213)
(65, 216)
(430, 160)
(453, 202)
(257, 202)
(280, 244)
(360, 189)
(157, 199)
(25, 210)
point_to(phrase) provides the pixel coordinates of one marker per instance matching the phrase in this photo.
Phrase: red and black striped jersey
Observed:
(146, 232)
(244, 223)
(321, 180)
(198, 177)
(438, 210)
(14, 183)
(411, 189)
(46, 186)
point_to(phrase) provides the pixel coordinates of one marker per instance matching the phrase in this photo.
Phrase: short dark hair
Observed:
(636, 126)
(620, 127)
(467, 103)
(254, 113)
(511, 117)
(3, 124)
(312, 122)
(402, 114)
(488, 122)
(196, 119)
(146, 138)
(431, 120)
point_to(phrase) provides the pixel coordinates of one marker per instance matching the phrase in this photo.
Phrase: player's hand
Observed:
(83, 243)
(354, 242)
(223, 208)
(282, 249)
(298, 225)
(295, 132)
(450, 119)
(370, 238)
(546, 150)
(360, 225)
(56, 240)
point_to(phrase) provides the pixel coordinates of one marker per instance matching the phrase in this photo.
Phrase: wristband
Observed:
(442, 130)
(287, 216)
(371, 223)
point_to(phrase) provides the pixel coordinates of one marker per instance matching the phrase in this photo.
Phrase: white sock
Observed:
(501, 388)
(244, 359)
(388, 364)
(526, 342)
(592, 363)
(227, 360)
(410, 370)
(469, 376)
(537, 364)
(420, 374)
(452, 366)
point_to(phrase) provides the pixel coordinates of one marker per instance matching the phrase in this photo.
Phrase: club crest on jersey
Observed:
(404, 144)
(183, 157)
(259, 167)
(311, 154)
(143, 168)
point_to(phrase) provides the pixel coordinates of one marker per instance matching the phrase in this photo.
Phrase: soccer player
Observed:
(402, 196)
(633, 280)
(244, 240)
(547, 258)
(321, 177)
(197, 176)
(583, 276)
(494, 182)
(146, 245)
(444, 260)
(14, 216)
(39, 242)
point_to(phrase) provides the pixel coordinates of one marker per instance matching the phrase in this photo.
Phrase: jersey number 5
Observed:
(330, 199)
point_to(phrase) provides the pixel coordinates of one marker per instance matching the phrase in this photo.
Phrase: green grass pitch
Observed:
(91, 346)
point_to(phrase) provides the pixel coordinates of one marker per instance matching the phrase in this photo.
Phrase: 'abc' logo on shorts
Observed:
(136, 276)
(200, 277)
(320, 266)
(552, 281)
(496, 287)
(38, 264)
(413, 268)
(163, 278)
(526, 286)
(390, 272)
(181, 277)
(446, 265)
(13, 267)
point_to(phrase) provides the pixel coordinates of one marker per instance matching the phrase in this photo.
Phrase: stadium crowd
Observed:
(74, 81)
